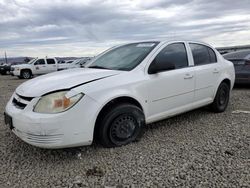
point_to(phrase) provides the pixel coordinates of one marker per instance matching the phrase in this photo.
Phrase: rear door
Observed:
(171, 91)
(51, 65)
(207, 72)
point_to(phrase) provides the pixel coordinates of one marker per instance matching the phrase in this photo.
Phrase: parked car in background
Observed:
(4, 69)
(68, 65)
(78, 63)
(241, 61)
(123, 88)
(36, 66)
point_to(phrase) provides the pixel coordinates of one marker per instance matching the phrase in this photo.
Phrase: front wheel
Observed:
(26, 74)
(121, 125)
(221, 98)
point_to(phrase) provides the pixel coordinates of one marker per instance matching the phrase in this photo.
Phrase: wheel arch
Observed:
(112, 102)
(227, 81)
(26, 69)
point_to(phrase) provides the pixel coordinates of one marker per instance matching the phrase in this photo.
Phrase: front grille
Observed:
(21, 102)
(18, 104)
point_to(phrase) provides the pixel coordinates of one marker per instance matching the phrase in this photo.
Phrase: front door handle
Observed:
(188, 76)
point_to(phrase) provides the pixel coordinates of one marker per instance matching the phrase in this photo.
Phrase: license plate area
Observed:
(8, 121)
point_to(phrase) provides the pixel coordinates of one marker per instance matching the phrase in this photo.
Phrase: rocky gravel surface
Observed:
(196, 149)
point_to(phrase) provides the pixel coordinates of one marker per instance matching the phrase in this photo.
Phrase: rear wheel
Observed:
(222, 98)
(121, 125)
(26, 74)
(3, 73)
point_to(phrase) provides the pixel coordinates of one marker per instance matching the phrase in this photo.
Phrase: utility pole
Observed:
(6, 61)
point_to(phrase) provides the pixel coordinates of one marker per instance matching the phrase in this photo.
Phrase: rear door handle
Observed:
(216, 71)
(188, 76)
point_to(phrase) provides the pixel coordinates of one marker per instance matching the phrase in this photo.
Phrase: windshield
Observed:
(76, 61)
(125, 57)
(32, 60)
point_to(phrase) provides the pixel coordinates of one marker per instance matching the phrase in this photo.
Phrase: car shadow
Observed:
(241, 86)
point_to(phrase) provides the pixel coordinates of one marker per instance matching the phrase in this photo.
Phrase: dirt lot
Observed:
(196, 149)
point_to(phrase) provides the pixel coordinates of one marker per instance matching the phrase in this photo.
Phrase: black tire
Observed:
(120, 125)
(3, 73)
(26, 74)
(221, 99)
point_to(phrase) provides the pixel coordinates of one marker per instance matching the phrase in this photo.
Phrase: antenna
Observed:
(5, 55)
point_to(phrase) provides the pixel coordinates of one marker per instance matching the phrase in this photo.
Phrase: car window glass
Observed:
(212, 55)
(242, 54)
(175, 54)
(202, 54)
(125, 57)
(51, 61)
(40, 62)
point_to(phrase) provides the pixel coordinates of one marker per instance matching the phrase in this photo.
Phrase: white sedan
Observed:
(119, 92)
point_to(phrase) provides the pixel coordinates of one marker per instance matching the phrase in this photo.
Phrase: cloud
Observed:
(79, 28)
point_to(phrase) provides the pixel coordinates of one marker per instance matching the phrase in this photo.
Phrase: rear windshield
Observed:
(237, 55)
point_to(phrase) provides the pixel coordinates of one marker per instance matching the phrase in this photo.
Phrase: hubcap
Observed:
(26, 75)
(122, 128)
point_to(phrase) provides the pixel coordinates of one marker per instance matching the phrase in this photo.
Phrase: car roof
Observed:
(168, 41)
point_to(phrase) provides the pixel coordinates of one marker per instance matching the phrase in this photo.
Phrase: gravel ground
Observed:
(196, 149)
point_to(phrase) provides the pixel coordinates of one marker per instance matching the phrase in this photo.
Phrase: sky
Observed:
(87, 27)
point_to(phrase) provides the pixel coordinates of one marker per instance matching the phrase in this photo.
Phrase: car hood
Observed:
(21, 65)
(67, 79)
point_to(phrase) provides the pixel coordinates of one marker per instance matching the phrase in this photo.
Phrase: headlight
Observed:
(17, 69)
(56, 102)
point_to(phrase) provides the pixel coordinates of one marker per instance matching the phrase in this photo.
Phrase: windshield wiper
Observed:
(98, 67)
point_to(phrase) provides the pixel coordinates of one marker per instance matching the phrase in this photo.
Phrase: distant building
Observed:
(224, 50)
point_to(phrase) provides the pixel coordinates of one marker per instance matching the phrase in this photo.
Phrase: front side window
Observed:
(51, 61)
(202, 55)
(40, 62)
(175, 54)
(125, 57)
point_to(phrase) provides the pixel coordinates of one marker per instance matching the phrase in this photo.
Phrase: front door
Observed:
(171, 91)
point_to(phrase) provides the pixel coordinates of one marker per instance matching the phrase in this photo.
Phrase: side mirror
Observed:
(160, 66)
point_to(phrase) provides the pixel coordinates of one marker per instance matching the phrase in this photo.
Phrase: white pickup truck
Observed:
(36, 66)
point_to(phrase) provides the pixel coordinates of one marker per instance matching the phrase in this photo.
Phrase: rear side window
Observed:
(212, 55)
(40, 62)
(202, 54)
(174, 53)
(51, 61)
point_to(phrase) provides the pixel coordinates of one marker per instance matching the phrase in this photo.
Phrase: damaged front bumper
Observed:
(67, 129)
